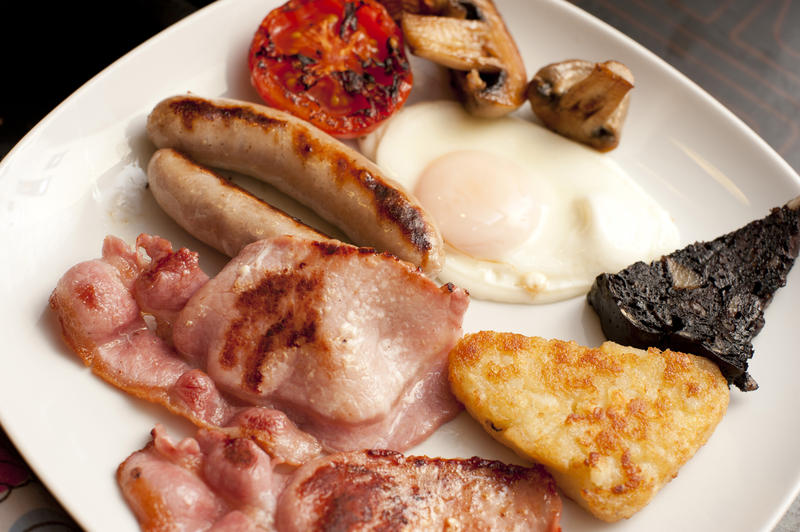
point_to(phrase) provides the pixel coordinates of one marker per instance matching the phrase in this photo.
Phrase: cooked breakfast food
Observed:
(340, 65)
(612, 424)
(707, 298)
(384, 490)
(349, 343)
(470, 38)
(216, 482)
(396, 8)
(100, 305)
(527, 216)
(214, 210)
(583, 101)
(338, 183)
(208, 482)
(303, 345)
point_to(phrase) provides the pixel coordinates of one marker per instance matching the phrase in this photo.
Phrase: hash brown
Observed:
(612, 424)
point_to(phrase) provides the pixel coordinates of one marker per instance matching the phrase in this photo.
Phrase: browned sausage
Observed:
(338, 183)
(212, 209)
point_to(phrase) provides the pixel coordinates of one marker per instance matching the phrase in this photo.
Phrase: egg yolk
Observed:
(482, 202)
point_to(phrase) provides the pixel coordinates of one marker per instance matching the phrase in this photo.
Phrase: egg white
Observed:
(594, 217)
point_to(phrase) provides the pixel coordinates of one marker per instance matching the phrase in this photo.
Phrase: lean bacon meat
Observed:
(350, 343)
(215, 482)
(384, 490)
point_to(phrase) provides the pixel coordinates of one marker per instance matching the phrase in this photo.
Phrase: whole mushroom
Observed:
(584, 101)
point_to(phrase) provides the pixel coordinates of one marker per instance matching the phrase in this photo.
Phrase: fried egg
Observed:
(527, 216)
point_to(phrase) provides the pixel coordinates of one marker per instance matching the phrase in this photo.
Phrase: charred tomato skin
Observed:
(340, 65)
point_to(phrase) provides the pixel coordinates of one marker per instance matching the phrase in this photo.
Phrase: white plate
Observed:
(78, 176)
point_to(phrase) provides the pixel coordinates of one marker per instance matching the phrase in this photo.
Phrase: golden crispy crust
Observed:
(612, 424)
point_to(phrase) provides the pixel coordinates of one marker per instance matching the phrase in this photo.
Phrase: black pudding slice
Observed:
(707, 299)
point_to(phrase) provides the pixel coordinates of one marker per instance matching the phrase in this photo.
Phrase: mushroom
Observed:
(582, 100)
(396, 8)
(470, 38)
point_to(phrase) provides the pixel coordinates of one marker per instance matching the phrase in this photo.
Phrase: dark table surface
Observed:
(744, 53)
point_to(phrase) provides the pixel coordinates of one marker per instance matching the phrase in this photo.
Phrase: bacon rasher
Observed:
(214, 482)
(348, 343)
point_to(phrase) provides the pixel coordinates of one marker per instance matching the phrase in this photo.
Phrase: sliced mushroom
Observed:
(584, 101)
(396, 8)
(453, 43)
(470, 38)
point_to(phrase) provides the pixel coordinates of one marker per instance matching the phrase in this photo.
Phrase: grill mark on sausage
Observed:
(272, 301)
(391, 204)
(190, 109)
(302, 144)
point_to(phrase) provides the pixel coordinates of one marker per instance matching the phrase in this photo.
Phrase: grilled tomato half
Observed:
(337, 64)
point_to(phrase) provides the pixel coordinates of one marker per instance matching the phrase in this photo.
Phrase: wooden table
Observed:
(746, 54)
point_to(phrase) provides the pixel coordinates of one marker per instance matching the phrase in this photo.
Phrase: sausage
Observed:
(337, 182)
(214, 210)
